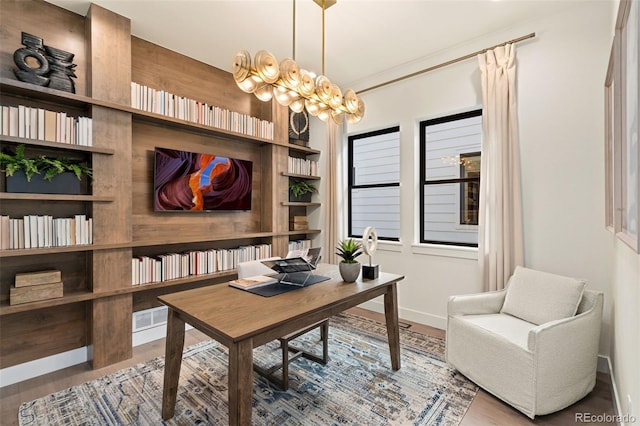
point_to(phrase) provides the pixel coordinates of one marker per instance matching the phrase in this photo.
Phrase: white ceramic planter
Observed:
(349, 271)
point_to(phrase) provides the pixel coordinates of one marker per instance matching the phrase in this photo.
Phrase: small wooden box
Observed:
(34, 293)
(26, 279)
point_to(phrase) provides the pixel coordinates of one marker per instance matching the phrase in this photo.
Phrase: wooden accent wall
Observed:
(100, 299)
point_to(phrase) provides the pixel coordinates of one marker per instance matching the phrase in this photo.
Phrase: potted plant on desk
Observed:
(349, 267)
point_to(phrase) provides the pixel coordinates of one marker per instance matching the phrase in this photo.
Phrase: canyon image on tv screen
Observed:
(190, 181)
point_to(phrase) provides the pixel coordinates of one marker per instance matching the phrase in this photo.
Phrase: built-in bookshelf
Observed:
(172, 266)
(45, 231)
(161, 102)
(99, 299)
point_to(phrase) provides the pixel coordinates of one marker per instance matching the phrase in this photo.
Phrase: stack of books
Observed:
(36, 286)
(252, 282)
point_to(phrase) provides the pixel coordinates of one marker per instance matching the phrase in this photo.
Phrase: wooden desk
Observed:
(242, 321)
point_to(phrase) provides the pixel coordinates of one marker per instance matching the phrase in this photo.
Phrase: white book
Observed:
(26, 224)
(133, 266)
(33, 123)
(33, 230)
(40, 237)
(5, 120)
(22, 121)
(41, 114)
(14, 121)
(5, 232)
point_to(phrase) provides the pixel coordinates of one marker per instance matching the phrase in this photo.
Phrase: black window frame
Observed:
(423, 171)
(351, 177)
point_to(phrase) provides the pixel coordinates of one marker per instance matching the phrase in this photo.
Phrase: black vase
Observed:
(64, 183)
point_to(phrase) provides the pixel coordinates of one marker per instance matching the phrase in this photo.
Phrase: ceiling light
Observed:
(295, 87)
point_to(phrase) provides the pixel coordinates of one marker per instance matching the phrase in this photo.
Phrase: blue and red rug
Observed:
(356, 387)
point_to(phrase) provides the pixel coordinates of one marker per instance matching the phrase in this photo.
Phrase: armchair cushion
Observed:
(539, 297)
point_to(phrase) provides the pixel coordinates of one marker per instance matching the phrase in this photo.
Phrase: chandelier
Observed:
(295, 87)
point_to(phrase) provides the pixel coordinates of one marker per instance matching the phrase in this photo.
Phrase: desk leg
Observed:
(393, 329)
(240, 383)
(172, 363)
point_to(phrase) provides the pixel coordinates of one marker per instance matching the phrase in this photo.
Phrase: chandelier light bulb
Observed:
(297, 105)
(264, 93)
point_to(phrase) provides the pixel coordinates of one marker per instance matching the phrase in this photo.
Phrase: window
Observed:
(374, 183)
(450, 152)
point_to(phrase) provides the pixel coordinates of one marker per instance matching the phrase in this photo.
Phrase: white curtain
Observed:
(500, 242)
(331, 208)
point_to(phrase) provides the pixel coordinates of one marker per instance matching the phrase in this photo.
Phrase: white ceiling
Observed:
(382, 34)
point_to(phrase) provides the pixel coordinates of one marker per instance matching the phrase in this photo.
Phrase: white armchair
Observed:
(534, 345)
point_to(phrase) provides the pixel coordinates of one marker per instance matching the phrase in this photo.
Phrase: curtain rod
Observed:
(444, 64)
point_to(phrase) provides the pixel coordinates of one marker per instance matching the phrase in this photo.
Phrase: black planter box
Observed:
(65, 183)
(306, 198)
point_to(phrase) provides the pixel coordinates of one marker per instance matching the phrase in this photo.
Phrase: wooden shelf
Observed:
(56, 250)
(179, 124)
(301, 176)
(296, 204)
(19, 88)
(200, 239)
(54, 197)
(70, 297)
(57, 145)
(85, 295)
(304, 149)
(304, 232)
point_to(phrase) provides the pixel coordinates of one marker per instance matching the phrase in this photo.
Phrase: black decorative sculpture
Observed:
(44, 65)
(299, 126)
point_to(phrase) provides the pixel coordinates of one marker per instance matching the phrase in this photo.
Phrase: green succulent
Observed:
(348, 250)
(42, 165)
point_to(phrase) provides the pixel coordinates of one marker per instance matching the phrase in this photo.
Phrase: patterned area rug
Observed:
(356, 387)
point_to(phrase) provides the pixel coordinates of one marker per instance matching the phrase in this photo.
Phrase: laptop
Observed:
(295, 270)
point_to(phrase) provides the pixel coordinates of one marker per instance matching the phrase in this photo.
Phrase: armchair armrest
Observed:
(475, 304)
(565, 355)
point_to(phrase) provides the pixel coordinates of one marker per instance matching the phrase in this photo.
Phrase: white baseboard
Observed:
(409, 315)
(38, 367)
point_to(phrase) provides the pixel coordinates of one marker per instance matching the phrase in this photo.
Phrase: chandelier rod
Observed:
(444, 64)
(293, 50)
(323, 9)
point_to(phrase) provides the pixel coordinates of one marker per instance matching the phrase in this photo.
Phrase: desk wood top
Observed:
(229, 314)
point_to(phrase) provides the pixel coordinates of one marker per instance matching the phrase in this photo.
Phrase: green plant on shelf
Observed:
(10, 163)
(299, 187)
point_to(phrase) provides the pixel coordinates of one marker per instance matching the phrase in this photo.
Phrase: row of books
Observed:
(298, 245)
(41, 124)
(164, 103)
(45, 231)
(302, 166)
(170, 266)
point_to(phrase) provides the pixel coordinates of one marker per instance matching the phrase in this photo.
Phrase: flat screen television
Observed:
(190, 181)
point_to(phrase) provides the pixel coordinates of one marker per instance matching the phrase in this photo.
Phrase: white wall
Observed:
(625, 344)
(560, 100)
(561, 110)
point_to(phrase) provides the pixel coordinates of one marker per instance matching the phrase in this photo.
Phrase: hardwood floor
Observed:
(484, 410)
